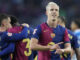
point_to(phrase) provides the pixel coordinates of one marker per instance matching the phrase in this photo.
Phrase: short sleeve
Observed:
(66, 37)
(37, 32)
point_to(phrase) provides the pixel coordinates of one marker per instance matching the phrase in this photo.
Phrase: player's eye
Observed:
(52, 10)
(56, 9)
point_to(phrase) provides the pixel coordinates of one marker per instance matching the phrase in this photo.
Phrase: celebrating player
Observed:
(72, 37)
(22, 49)
(6, 46)
(50, 39)
(75, 27)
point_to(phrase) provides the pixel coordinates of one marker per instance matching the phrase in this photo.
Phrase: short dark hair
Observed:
(2, 17)
(77, 21)
(14, 20)
(62, 18)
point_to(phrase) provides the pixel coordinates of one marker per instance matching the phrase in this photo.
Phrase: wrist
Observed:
(48, 47)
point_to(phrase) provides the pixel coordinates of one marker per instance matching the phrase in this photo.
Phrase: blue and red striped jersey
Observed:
(22, 49)
(50, 36)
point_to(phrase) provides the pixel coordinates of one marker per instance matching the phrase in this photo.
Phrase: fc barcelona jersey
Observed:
(22, 50)
(50, 36)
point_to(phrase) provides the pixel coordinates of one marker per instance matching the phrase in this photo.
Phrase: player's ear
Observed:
(2, 24)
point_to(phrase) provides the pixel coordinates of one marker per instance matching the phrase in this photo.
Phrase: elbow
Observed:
(32, 46)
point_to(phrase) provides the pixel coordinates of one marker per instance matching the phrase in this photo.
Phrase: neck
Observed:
(2, 29)
(50, 24)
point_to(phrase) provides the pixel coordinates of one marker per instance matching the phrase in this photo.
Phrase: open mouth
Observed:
(53, 20)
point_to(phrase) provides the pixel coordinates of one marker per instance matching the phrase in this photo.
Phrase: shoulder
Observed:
(43, 25)
(38, 27)
(70, 32)
(61, 28)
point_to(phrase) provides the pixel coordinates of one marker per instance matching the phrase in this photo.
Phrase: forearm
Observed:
(67, 48)
(35, 46)
(18, 36)
(40, 47)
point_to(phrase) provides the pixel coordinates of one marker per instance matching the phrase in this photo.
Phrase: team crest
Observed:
(52, 35)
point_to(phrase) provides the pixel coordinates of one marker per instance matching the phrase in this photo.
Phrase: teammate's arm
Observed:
(17, 36)
(8, 49)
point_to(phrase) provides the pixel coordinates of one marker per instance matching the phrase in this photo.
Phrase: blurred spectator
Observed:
(29, 10)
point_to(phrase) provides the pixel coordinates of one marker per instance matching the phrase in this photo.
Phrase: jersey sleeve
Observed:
(9, 49)
(37, 32)
(75, 42)
(17, 36)
(66, 38)
(31, 32)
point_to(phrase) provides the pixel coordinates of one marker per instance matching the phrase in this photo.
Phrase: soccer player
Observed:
(49, 37)
(7, 47)
(72, 37)
(22, 49)
(3, 45)
(75, 27)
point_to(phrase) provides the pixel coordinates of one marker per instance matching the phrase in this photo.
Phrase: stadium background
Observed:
(33, 11)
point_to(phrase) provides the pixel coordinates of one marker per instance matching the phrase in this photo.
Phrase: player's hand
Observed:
(55, 46)
(59, 51)
(24, 24)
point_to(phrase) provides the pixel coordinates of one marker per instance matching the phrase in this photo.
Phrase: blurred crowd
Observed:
(33, 11)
